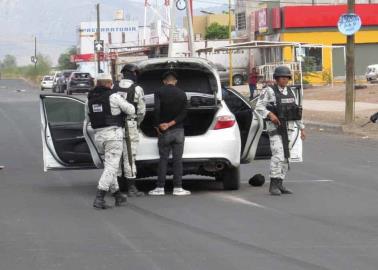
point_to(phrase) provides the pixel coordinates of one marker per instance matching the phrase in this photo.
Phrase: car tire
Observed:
(237, 80)
(230, 178)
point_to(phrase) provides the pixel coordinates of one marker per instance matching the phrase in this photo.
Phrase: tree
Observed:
(217, 31)
(64, 60)
(43, 67)
(9, 62)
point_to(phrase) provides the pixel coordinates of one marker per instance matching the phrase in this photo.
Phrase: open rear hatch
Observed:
(200, 85)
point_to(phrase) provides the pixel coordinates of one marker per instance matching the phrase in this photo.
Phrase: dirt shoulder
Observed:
(325, 106)
(365, 98)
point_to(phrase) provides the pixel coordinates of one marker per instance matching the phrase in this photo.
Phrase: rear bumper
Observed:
(371, 77)
(81, 89)
(204, 167)
(219, 145)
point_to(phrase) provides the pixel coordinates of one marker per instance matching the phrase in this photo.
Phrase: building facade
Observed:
(202, 22)
(315, 24)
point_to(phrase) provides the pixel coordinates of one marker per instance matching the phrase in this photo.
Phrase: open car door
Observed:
(66, 144)
(250, 123)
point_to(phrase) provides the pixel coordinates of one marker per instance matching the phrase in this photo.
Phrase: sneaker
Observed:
(157, 192)
(180, 192)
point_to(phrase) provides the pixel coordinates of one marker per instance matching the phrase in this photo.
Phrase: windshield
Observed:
(188, 80)
(81, 75)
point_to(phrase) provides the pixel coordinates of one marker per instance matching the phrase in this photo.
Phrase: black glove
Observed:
(374, 117)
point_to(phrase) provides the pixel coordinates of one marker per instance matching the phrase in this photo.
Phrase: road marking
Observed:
(236, 199)
(309, 181)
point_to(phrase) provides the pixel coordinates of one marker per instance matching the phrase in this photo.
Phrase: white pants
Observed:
(279, 165)
(113, 152)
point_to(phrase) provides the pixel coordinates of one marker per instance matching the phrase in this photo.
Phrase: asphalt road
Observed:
(47, 221)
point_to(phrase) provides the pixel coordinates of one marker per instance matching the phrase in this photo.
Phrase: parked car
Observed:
(372, 73)
(62, 81)
(47, 82)
(79, 82)
(56, 77)
(239, 75)
(222, 130)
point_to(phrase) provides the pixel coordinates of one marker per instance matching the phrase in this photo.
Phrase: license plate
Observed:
(82, 84)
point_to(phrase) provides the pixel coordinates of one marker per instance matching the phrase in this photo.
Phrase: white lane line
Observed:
(309, 181)
(240, 200)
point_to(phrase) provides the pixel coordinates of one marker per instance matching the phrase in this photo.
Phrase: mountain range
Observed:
(55, 23)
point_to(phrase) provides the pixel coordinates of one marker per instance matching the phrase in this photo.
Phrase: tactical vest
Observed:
(286, 109)
(100, 113)
(130, 95)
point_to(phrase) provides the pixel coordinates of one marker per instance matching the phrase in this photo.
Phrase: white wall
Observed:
(239, 60)
(87, 34)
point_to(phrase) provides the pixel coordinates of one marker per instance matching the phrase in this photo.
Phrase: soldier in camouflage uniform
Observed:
(106, 112)
(272, 97)
(133, 93)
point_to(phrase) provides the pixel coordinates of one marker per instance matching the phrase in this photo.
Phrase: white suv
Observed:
(221, 130)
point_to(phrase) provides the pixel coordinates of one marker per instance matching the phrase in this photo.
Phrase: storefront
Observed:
(317, 25)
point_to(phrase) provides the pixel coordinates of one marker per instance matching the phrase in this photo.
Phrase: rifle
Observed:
(373, 119)
(128, 146)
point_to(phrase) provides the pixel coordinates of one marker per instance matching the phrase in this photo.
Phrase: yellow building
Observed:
(200, 23)
(332, 60)
(318, 25)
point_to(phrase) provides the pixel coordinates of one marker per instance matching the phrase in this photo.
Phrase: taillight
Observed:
(225, 121)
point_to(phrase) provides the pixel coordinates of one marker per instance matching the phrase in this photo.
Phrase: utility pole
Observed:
(190, 27)
(35, 52)
(172, 28)
(98, 37)
(231, 75)
(350, 91)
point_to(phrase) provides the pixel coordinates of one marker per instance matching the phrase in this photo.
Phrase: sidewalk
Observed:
(336, 106)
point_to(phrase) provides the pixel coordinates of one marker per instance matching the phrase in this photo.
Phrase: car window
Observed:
(67, 74)
(233, 101)
(82, 75)
(64, 110)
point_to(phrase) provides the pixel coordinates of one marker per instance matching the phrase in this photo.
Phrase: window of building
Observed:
(110, 38)
(241, 21)
(311, 59)
(123, 37)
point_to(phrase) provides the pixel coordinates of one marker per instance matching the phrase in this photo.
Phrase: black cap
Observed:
(169, 72)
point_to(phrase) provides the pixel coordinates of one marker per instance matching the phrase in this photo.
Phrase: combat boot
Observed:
(132, 189)
(99, 201)
(282, 188)
(273, 188)
(119, 198)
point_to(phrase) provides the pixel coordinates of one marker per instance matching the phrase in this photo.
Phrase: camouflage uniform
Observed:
(278, 162)
(133, 122)
(109, 140)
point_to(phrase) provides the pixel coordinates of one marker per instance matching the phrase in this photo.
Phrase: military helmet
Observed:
(282, 71)
(130, 67)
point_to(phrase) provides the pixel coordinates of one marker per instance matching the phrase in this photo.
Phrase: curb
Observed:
(325, 126)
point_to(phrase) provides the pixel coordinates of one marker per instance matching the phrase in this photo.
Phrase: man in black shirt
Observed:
(169, 115)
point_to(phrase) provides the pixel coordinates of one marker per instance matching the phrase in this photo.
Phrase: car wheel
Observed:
(237, 80)
(230, 178)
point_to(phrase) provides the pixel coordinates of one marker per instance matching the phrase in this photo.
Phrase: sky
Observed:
(54, 22)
